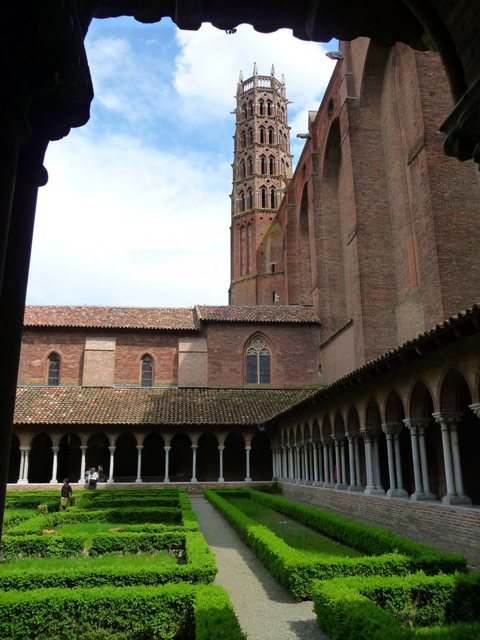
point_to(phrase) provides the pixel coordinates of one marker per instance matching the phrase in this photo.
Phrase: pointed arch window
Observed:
(263, 165)
(53, 370)
(261, 106)
(250, 137)
(249, 204)
(243, 169)
(272, 198)
(262, 135)
(249, 167)
(244, 111)
(258, 361)
(270, 135)
(147, 371)
(269, 108)
(242, 201)
(264, 197)
(271, 163)
(243, 140)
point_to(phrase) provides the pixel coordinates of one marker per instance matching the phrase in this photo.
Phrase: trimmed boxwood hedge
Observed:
(290, 567)
(199, 568)
(394, 608)
(46, 546)
(198, 613)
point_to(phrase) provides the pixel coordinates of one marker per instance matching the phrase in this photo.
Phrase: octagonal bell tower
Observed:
(262, 163)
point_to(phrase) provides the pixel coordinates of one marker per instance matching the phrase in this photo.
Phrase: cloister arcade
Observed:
(414, 437)
(131, 456)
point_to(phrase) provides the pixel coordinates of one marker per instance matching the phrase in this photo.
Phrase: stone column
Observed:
(448, 421)
(358, 476)
(139, 463)
(284, 462)
(194, 462)
(167, 454)
(291, 475)
(376, 465)
(338, 439)
(343, 464)
(326, 466)
(274, 464)
(110, 475)
(369, 436)
(331, 467)
(54, 465)
(315, 463)
(305, 462)
(83, 463)
(351, 459)
(417, 427)
(321, 477)
(23, 476)
(392, 433)
(247, 453)
(221, 449)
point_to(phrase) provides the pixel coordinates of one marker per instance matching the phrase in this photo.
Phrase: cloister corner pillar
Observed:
(448, 421)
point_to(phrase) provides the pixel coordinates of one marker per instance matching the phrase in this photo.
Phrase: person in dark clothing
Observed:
(92, 478)
(65, 495)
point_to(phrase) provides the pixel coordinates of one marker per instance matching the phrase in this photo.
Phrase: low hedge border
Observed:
(15, 547)
(290, 567)
(203, 612)
(200, 568)
(394, 608)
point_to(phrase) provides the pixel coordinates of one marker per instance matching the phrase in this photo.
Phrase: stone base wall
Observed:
(452, 529)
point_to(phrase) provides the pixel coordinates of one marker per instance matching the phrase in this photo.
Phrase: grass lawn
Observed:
(110, 561)
(295, 534)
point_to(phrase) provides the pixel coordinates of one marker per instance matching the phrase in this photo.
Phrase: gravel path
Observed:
(266, 610)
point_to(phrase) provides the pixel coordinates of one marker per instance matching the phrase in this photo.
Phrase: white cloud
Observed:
(208, 67)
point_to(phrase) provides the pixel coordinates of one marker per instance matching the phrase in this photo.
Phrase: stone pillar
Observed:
(110, 475)
(392, 432)
(326, 465)
(54, 465)
(221, 449)
(331, 466)
(139, 464)
(369, 436)
(305, 462)
(448, 421)
(247, 453)
(274, 464)
(321, 477)
(339, 439)
(167, 454)
(83, 463)
(284, 462)
(291, 475)
(376, 465)
(358, 476)
(23, 475)
(194, 462)
(315, 463)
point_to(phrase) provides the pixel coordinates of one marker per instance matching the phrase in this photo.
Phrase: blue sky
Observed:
(137, 211)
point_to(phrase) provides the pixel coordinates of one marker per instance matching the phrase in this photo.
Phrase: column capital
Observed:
(167, 448)
(352, 435)
(194, 446)
(25, 448)
(370, 434)
(112, 449)
(327, 440)
(55, 449)
(416, 425)
(249, 448)
(476, 408)
(392, 429)
(139, 447)
(338, 437)
(447, 419)
(221, 447)
(83, 447)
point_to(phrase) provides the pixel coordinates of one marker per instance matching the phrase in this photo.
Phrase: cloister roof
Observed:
(111, 317)
(273, 313)
(85, 405)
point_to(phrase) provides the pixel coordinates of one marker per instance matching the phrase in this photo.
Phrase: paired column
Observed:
(23, 474)
(354, 462)
(326, 464)
(54, 465)
(291, 475)
(339, 441)
(419, 458)
(139, 463)
(110, 475)
(306, 476)
(448, 421)
(315, 463)
(372, 461)
(392, 434)
(221, 449)
(247, 461)
(83, 462)
(298, 468)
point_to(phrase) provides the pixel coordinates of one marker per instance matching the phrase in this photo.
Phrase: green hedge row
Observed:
(371, 540)
(394, 608)
(135, 542)
(46, 546)
(200, 568)
(289, 565)
(14, 518)
(167, 612)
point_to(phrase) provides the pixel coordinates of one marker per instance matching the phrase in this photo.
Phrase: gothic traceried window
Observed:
(258, 362)
(262, 135)
(272, 198)
(147, 371)
(53, 370)
(270, 136)
(271, 165)
(264, 197)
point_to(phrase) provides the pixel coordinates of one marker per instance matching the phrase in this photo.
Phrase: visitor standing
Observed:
(65, 495)
(92, 478)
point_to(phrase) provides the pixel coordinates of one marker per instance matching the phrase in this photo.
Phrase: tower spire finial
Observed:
(240, 77)
(272, 72)
(255, 70)
(283, 78)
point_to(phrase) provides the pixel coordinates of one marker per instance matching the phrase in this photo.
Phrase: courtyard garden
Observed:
(61, 571)
(365, 582)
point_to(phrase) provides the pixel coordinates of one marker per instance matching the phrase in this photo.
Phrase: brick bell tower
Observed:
(262, 163)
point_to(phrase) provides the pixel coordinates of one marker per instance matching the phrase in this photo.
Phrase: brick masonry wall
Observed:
(453, 529)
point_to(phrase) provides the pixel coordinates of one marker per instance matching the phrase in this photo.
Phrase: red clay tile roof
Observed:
(110, 317)
(77, 405)
(274, 313)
